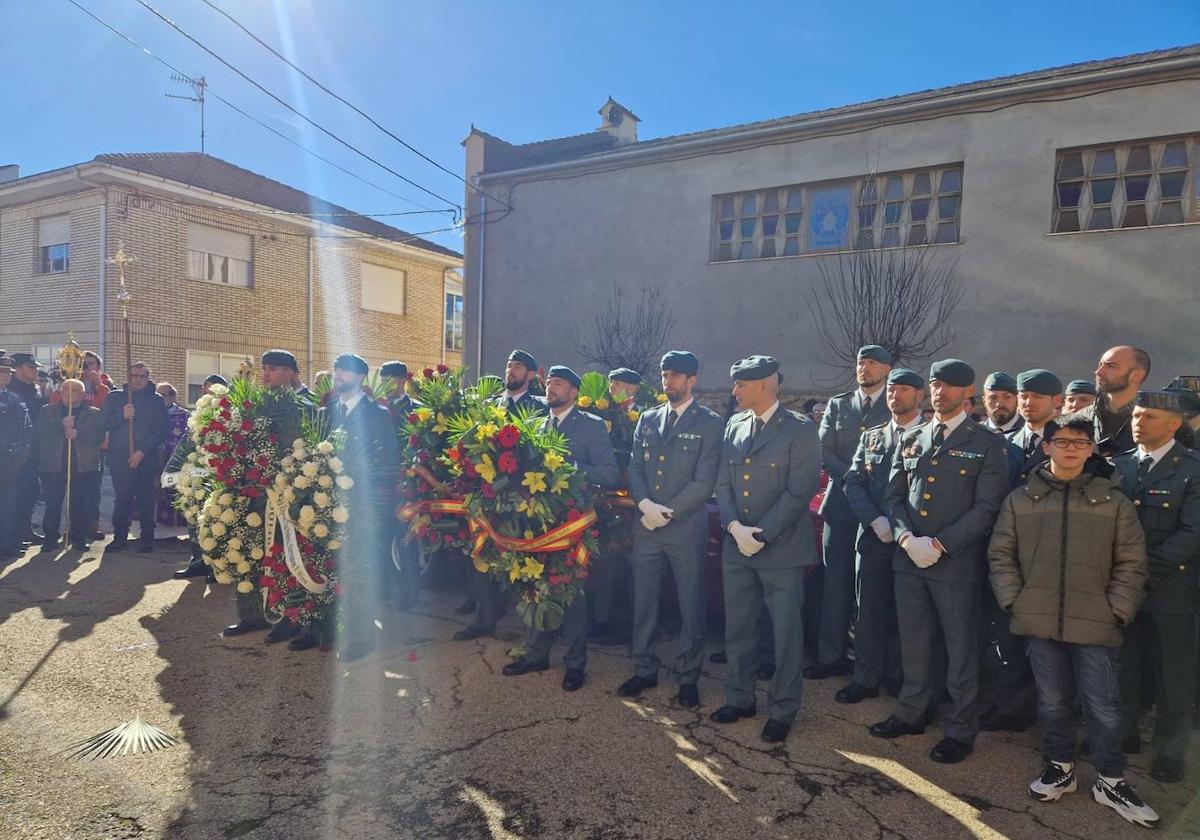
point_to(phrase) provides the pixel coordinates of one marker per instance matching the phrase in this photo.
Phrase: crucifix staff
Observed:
(120, 260)
(70, 363)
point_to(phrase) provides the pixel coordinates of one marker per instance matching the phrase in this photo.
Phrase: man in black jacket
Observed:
(16, 438)
(372, 459)
(24, 385)
(134, 471)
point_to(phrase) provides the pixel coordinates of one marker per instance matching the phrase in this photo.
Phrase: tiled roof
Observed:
(502, 155)
(211, 173)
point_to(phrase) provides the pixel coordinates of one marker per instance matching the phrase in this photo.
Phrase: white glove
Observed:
(922, 551)
(883, 529)
(654, 515)
(743, 535)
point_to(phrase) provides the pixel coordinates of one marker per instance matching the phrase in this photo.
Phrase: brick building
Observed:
(228, 264)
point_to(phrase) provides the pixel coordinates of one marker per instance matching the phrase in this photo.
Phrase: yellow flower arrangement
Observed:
(584, 401)
(535, 481)
(486, 469)
(486, 431)
(662, 398)
(633, 414)
(423, 414)
(553, 460)
(602, 403)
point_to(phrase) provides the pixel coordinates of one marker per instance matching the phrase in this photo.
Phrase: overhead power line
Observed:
(255, 119)
(346, 102)
(284, 103)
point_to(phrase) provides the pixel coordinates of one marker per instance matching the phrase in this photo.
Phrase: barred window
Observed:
(1130, 185)
(875, 211)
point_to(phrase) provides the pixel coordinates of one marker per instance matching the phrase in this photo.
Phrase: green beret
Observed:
(954, 372)
(1191, 383)
(681, 361)
(1164, 400)
(1081, 386)
(1188, 400)
(626, 375)
(394, 369)
(874, 351)
(564, 372)
(280, 358)
(351, 362)
(524, 358)
(904, 376)
(754, 368)
(1039, 381)
(1000, 381)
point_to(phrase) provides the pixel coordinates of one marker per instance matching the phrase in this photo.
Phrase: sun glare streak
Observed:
(493, 812)
(943, 800)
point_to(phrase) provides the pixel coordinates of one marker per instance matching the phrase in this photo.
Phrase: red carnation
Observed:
(454, 454)
(241, 451)
(428, 372)
(292, 582)
(310, 604)
(247, 425)
(443, 369)
(573, 514)
(488, 492)
(246, 404)
(253, 475)
(274, 597)
(263, 461)
(224, 403)
(292, 613)
(507, 463)
(414, 441)
(413, 418)
(251, 492)
(509, 436)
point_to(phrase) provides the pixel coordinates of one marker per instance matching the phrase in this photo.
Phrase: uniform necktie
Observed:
(672, 417)
(939, 435)
(512, 405)
(1034, 440)
(866, 405)
(758, 427)
(1147, 463)
(556, 421)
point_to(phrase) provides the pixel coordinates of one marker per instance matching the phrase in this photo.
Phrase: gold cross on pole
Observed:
(121, 259)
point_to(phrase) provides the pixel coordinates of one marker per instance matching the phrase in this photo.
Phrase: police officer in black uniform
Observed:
(1163, 479)
(29, 488)
(405, 554)
(846, 417)
(16, 438)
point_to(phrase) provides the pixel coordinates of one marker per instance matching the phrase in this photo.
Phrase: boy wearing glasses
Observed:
(1068, 561)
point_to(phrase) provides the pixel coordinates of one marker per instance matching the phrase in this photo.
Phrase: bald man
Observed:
(1121, 372)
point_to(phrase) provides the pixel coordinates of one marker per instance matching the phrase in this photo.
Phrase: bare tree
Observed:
(620, 335)
(899, 298)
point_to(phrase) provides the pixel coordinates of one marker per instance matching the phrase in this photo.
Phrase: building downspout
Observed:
(309, 305)
(102, 332)
(479, 336)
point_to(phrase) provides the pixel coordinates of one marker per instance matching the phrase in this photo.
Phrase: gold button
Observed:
(662, 457)
(659, 472)
(772, 463)
(1137, 502)
(962, 472)
(746, 510)
(931, 479)
(747, 460)
(862, 429)
(746, 477)
(745, 492)
(924, 513)
(1166, 504)
(934, 462)
(657, 486)
(928, 496)
(1183, 568)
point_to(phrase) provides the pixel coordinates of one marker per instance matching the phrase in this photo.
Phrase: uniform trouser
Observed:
(487, 594)
(404, 570)
(837, 599)
(250, 608)
(922, 605)
(574, 631)
(84, 486)
(609, 593)
(687, 567)
(1005, 672)
(360, 569)
(9, 536)
(1167, 643)
(138, 486)
(27, 493)
(748, 592)
(876, 631)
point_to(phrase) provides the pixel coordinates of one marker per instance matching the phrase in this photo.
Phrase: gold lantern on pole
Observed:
(70, 365)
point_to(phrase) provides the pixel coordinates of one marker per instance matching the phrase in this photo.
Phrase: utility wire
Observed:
(290, 107)
(250, 116)
(346, 102)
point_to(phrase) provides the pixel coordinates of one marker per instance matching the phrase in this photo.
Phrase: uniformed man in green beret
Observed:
(1000, 403)
(676, 453)
(770, 470)
(876, 633)
(947, 481)
(520, 373)
(1078, 395)
(846, 417)
(1163, 479)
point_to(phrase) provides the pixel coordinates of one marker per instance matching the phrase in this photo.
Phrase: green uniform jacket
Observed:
(768, 483)
(48, 431)
(1168, 505)
(842, 427)
(866, 483)
(1068, 560)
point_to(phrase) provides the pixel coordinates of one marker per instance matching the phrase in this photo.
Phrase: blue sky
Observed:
(522, 70)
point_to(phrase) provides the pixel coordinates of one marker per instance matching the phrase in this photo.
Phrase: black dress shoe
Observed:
(355, 651)
(572, 680)
(242, 628)
(50, 543)
(775, 731)
(821, 670)
(191, 570)
(893, 727)
(689, 696)
(717, 658)
(469, 633)
(950, 751)
(282, 631)
(635, 685)
(1167, 769)
(855, 693)
(466, 607)
(516, 669)
(117, 545)
(81, 546)
(766, 672)
(732, 714)
(304, 642)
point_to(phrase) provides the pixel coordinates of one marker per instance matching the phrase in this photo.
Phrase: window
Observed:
(1140, 184)
(46, 354)
(202, 364)
(54, 241)
(454, 321)
(220, 256)
(383, 288)
(874, 211)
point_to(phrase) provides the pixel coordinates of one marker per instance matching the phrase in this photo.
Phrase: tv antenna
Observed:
(198, 87)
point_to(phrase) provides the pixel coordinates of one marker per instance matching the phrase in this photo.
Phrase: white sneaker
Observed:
(1055, 780)
(1123, 799)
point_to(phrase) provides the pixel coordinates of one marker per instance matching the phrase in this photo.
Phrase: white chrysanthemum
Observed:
(228, 517)
(253, 520)
(234, 556)
(325, 447)
(300, 482)
(208, 544)
(223, 577)
(333, 545)
(198, 495)
(289, 495)
(307, 513)
(310, 469)
(299, 454)
(320, 530)
(218, 390)
(245, 587)
(298, 443)
(335, 464)
(325, 481)
(321, 499)
(235, 543)
(256, 553)
(243, 568)
(340, 514)
(218, 529)
(345, 482)
(226, 499)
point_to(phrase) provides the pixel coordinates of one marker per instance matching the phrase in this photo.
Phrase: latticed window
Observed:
(874, 211)
(1125, 186)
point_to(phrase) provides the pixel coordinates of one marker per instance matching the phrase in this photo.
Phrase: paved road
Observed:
(426, 739)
